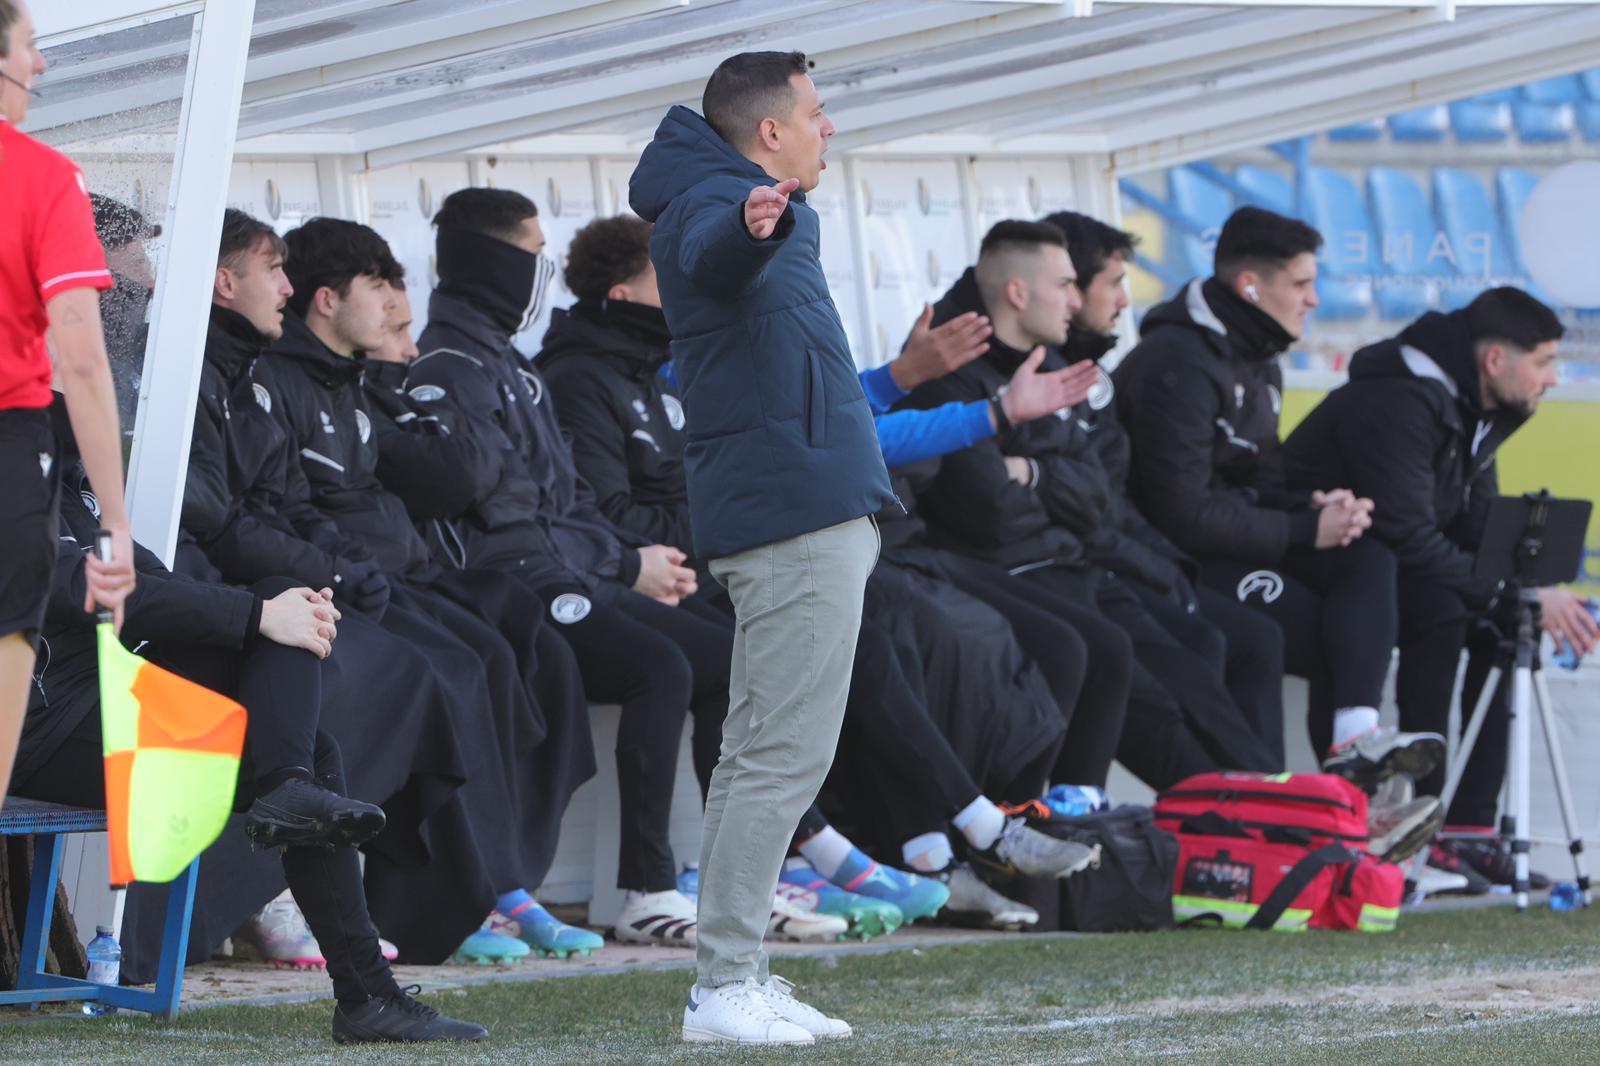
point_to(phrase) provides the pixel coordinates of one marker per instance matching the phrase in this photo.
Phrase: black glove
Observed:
(363, 586)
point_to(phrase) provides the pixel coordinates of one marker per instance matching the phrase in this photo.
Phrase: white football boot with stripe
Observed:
(664, 918)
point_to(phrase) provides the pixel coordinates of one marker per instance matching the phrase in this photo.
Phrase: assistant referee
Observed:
(51, 269)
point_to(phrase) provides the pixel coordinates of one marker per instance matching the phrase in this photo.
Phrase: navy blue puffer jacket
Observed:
(780, 436)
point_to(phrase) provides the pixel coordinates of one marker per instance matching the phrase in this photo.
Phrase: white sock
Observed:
(827, 851)
(1352, 722)
(980, 822)
(928, 853)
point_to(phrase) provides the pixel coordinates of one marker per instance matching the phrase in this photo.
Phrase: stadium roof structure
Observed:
(1147, 82)
(1116, 87)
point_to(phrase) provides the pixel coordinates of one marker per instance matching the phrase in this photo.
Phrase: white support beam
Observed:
(56, 22)
(887, 33)
(1194, 35)
(1200, 71)
(284, 78)
(1231, 78)
(1527, 50)
(178, 320)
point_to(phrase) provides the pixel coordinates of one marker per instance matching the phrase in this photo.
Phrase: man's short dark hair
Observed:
(331, 253)
(1256, 239)
(1091, 243)
(1016, 233)
(1512, 317)
(748, 87)
(607, 252)
(243, 234)
(497, 213)
(8, 18)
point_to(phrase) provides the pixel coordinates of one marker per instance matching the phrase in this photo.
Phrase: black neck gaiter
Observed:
(491, 275)
(1086, 344)
(1254, 335)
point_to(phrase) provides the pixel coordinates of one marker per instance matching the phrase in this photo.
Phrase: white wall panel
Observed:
(916, 243)
(1019, 188)
(281, 192)
(401, 202)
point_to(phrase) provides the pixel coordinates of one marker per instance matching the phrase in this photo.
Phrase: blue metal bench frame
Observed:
(49, 824)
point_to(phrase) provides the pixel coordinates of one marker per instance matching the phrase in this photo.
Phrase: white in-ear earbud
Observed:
(1250, 291)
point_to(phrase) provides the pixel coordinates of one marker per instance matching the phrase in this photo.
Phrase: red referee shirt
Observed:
(47, 246)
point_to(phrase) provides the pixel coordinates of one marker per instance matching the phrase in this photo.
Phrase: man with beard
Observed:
(249, 511)
(1199, 397)
(1416, 430)
(1119, 537)
(919, 752)
(1020, 500)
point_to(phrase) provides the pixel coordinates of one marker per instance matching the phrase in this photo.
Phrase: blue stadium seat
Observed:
(1344, 280)
(1416, 265)
(1567, 89)
(1370, 130)
(1588, 114)
(1543, 123)
(1208, 204)
(1591, 83)
(1476, 234)
(1480, 120)
(1514, 187)
(1268, 188)
(1422, 125)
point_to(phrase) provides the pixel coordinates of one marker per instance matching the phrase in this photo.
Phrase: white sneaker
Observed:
(790, 922)
(278, 934)
(666, 918)
(740, 1013)
(780, 993)
(1431, 880)
(975, 903)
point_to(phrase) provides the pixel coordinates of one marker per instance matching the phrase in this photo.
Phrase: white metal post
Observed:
(199, 193)
(866, 338)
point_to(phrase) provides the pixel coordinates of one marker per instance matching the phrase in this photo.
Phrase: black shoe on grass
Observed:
(399, 1019)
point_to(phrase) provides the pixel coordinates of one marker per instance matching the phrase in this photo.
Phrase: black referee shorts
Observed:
(29, 493)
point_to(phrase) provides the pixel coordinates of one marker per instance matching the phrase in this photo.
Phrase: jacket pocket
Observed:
(816, 401)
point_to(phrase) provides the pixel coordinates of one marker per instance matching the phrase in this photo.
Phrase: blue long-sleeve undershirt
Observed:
(911, 436)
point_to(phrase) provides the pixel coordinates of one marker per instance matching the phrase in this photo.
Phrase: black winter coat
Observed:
(1409, 430)
(540, 517)
(782, 439)
(247, 510)
(316, 397)
(973, 504)
(624, 421)
(1203, 420)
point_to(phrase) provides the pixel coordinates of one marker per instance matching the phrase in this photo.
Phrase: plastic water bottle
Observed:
(1564, 896)
(1566, 655)
(1075, 800)
(105, 967)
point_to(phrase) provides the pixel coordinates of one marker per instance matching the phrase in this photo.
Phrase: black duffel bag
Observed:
(1130, 890)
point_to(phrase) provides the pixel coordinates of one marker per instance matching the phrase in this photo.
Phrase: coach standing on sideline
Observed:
(783, 470)
(51, 267)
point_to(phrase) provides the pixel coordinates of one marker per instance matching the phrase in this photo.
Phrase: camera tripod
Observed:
(1517, 660)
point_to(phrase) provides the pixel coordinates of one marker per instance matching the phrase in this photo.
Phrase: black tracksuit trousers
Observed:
(281, 689)
(1339, 615)
(659, 663)
(1436, 625)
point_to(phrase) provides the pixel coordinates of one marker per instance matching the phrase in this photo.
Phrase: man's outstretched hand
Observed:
(931, 353)
(1033, 395)
(766, 205)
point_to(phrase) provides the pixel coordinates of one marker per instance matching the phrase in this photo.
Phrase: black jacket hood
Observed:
(324, 365)
(1436, 347)
(1213, 310)
(233, 343)
(598, 331)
